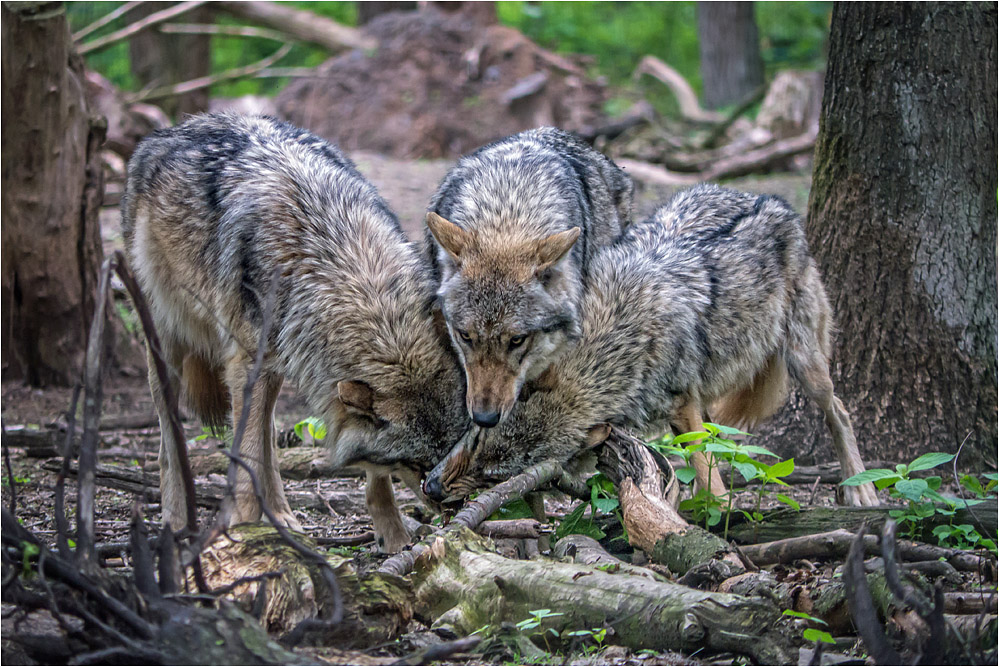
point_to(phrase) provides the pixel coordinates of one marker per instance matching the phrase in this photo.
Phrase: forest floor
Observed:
(332, 510)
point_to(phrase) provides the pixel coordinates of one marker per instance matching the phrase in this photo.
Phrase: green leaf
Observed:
(912, 489)
(575, 523)
(872, 475)
(756, 449)
(748, 471)
(515, 509)
(885, 483)
(719, 447)
(727, 430)
(972, 484)
(684, 438)
(814, 635)
(931, 460)
(801, 614)
(781, 469)
(606, 505)
(686, 474)
(791, 502)
(994, 476)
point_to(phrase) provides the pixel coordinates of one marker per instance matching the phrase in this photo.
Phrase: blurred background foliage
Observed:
(615, 34)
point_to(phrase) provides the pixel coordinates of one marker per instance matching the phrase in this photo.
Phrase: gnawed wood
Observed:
(301, 24)
(647, 490)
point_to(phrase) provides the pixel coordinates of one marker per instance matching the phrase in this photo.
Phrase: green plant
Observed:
(223, 434)
(5, 481)
(811, 634)
(924, 500)
(598, 635)
(716, 440)
(534, 622)
(314, 426)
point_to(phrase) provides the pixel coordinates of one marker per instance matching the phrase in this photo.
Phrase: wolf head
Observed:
(407, 413)
(508, 310)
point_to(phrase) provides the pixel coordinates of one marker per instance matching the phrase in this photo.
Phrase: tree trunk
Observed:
(902, 221)
(52, 188)
(159, 59)
(731, 65)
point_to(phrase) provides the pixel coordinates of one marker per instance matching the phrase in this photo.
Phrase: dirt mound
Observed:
(440, 85)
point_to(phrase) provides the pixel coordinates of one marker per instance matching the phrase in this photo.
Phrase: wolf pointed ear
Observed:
(553, 248)
(452, 238)
(357, 395)
(597, 434)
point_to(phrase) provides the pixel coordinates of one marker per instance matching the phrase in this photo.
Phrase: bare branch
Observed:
(862, 608)
(93, 389)
(139, 26)
(62, 526)
(104, 20)
(206, 81)
(10, 472)
(690, 108)
(212, 29)
(302, 24)
(476, 511)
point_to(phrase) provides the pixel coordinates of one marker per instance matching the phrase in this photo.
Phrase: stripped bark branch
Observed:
(139, 26)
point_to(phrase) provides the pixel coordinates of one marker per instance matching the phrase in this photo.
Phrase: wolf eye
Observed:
(464, 335)
(517, 341)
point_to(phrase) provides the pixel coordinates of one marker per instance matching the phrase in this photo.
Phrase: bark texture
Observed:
(159, 59)
(902, 221)
(731, 64)
(52, 188)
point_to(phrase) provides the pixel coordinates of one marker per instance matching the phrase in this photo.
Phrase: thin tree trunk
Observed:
(52, 187)
(902, 221)
(731, 64)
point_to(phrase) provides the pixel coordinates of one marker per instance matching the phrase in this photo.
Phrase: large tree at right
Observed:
(902, 220)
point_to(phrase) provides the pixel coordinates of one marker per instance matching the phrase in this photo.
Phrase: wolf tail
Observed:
(748, 406)
(206, 393)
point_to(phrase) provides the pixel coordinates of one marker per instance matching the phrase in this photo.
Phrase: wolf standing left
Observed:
(217, 207)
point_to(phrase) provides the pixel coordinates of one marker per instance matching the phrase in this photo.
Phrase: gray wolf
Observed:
(214, 208)
(512, 231)
(704, 309)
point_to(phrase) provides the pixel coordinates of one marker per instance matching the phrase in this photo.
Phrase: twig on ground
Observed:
(438, 652)
(62, 526)
(475, 512)
(10, 472)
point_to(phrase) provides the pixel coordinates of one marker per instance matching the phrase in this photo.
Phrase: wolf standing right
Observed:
(217, 208)
(513, 229)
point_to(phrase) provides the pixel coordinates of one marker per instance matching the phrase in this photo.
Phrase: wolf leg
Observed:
(689, 419)
(270, 465)
(245, 507)
(390, 531)
(172, 498)
(811, 369)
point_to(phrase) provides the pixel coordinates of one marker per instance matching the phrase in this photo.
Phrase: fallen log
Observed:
(783, 523)
(461, 585)
(686, 98)
(836, 544)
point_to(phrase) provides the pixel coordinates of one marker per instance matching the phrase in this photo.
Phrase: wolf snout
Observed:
(486, 419)
(433, 488)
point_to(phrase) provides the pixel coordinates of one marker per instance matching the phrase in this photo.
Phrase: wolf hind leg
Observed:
(256, 447)
(689, 418)
(173, 500)
(810, 366)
